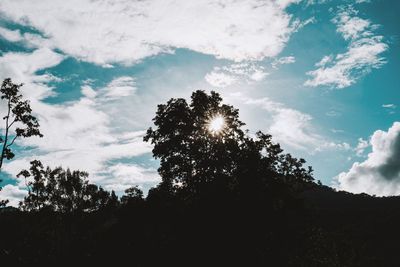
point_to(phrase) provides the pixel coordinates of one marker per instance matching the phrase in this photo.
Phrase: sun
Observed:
(216, 124)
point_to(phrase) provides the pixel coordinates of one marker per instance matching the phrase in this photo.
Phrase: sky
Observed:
(321, 76)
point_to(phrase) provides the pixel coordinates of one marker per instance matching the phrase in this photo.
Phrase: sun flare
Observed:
(216, 124)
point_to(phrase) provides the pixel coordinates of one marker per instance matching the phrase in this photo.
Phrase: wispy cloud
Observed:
(390, 108)
(363, 54)
(283, 61)
(292, 128)
(119, 87)
(22, 67)
(221, 77)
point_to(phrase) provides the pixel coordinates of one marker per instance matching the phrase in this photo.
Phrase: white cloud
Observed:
(13, 194)
(120, 87)
(12, 36)
(88, 91)
(293, 128)
(337, 131)
(23, 66)
(79, 135)
(125, 31)
(352, 27)
(333, 113)
(240, 72)
(379, 174)
(127, 175)
(391, 106)
(363, 53)
(362, 1)
(325, 60)
(258, 75)
(317, 2)
(219, 79)
(283, 60)
(361, 146)
(31, 40)
(334, 146)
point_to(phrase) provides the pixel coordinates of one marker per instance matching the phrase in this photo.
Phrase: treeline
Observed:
(227, 198)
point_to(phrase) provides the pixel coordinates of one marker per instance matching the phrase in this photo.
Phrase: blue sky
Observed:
(321, 76)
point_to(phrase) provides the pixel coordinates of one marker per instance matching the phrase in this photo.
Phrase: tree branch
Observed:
(9, 126)
(6, 133)
(12, 142)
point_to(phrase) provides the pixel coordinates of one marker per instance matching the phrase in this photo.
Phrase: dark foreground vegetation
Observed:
(226, 198)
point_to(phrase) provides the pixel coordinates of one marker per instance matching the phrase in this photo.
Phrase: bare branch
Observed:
(11, 124)
(12, 142)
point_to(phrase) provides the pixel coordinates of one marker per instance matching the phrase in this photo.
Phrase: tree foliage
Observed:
(132, 195)
(193, 158)
(18, 119)
(62, 190)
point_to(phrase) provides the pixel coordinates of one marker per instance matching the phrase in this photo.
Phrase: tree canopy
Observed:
(194, 158)
(62, 190)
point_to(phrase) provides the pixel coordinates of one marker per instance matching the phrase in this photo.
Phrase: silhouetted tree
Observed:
(98, 198)
(62, 190)
(132, 195)
(189, 153)
(18, 120)
(193, 155)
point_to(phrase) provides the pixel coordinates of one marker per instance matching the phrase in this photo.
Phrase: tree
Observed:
(202, 143)
(18, 120)
(132, 195)
(62, 190)
(189, 153)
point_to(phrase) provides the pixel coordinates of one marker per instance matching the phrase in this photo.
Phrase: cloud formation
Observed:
(31, 40)
(363, 54)
(390, 108)
(292, 128)
(224, 76)
(13, 194)
(22, 67)
(379, 174)
(126, 175)
(282, 61)
(124, 31)
(77, 134)
(361, 147)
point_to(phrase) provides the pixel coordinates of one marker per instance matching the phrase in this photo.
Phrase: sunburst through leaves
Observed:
(216, 124)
